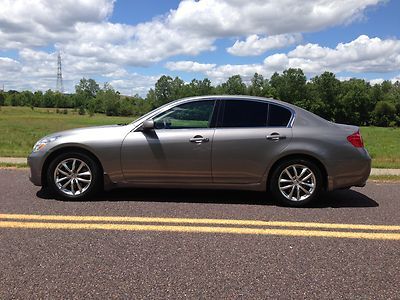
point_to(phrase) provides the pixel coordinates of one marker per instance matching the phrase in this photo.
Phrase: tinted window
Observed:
(242, 113)
(278, 116)
(189, 115)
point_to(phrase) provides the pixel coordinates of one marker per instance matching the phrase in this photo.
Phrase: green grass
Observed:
(13, 165)
(384, 178)
(383, 144)
(20, 127)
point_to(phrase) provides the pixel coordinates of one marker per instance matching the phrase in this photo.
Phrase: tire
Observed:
(74, 176)
(296, 182)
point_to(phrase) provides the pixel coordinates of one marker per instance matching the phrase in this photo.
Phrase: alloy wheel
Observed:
(297, 182)
(72, 176)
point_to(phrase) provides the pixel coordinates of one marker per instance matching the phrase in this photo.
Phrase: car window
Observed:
(244, 113)
(278, 116)
(189, 115)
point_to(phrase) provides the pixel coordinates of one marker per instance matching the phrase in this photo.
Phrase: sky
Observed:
(130, 44)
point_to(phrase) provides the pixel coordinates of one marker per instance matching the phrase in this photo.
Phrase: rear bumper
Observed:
(349, 173)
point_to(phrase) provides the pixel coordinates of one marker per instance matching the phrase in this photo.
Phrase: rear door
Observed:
(249, 135)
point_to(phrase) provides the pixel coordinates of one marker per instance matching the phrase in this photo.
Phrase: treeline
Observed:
(354, 101)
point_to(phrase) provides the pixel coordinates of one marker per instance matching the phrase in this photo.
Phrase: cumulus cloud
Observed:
(26, 23)
(256, 45)
(364, 54)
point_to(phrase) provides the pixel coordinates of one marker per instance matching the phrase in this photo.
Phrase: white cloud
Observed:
(255, 45)
(223, 18)
(188, 66)
(361, 55)
(26, 23)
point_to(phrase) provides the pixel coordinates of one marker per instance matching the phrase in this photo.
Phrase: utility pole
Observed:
(60, 85)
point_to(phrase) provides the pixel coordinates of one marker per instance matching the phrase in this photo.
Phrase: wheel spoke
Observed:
(66, 167)
(80, 167)
(304, 190)
(83, 180)
(291, 192)
(87, 173)
(286, 187)
(61, 179)
(288, 174)
(307, 177)
(294, 170)
(302, 172)
(285, 180)
(79, 186)
(73, 165)
(72, 187)
(65, 184)
(62, 172)
(298, 193)
(311, 185)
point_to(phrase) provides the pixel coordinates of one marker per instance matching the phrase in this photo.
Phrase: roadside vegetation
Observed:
(353, 101)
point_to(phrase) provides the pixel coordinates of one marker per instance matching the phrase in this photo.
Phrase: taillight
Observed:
(356, 140)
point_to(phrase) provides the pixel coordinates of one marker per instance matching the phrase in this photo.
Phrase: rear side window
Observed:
(242, 113)
(278, 116)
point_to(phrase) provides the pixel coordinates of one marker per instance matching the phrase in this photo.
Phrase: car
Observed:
(212, 142)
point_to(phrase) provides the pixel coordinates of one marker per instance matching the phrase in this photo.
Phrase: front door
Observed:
(178, 150)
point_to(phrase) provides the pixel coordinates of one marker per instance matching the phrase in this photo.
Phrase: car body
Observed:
(229, 142)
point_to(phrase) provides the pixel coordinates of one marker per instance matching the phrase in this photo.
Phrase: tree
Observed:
(384, 114)
(290, 86)
(355, 104)
(234, 86)
(256, 87)
(2, 98)
(164, 90)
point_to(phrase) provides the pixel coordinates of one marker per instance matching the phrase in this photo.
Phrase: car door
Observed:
(249, 135)
(178, 150)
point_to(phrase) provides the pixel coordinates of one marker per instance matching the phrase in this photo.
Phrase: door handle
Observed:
(198, 139)
(276, 137)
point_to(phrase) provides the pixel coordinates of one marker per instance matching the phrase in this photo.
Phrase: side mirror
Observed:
(148, 125)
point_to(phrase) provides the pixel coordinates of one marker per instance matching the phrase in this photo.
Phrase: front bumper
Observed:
(35, 162)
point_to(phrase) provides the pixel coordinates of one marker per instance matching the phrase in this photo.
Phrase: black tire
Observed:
(279, 188)
(89, 165)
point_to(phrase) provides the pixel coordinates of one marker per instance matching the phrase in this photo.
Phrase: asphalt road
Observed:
(46, 251)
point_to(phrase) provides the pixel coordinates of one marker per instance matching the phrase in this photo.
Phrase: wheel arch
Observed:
(67, 149)
(309, 157)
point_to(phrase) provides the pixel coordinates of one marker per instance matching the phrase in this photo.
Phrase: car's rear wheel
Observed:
(296, 182)
(74, 176)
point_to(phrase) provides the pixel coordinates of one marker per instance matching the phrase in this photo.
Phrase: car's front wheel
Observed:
(296, 182)
(74, 176)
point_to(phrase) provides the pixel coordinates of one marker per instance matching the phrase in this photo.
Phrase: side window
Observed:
(244, 113)
(278, 116)
(189, 115)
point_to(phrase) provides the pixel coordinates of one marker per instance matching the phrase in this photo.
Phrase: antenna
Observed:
(60, 85)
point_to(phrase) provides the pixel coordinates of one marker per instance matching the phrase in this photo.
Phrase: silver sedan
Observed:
(225, 142)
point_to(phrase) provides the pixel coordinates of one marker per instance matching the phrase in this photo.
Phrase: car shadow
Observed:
(336, 199)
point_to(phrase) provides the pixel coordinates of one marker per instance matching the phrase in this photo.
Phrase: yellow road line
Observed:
(198, 221)
(203, 229)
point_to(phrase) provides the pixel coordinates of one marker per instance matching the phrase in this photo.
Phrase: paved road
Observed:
(46, 251)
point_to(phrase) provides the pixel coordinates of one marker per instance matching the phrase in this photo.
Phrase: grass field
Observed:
(20, 128)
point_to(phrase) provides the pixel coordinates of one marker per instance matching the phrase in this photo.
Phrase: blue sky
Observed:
(132, 43)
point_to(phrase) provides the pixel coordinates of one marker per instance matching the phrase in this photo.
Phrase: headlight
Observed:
(43, 142)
